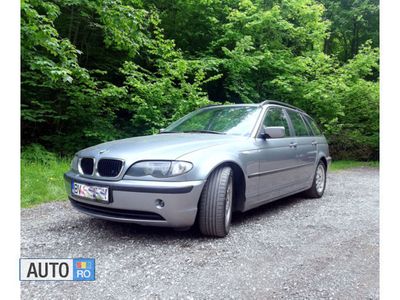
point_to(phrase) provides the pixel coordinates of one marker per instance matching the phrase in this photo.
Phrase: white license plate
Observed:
(90, 191)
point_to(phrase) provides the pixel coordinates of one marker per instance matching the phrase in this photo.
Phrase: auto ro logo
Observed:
(45, 269)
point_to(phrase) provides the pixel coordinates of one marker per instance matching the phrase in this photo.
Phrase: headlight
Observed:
(74, 163)
(159, 169)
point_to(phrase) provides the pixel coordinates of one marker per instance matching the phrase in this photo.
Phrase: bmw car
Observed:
(214, 161)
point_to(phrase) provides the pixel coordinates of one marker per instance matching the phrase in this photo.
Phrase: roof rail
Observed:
(280, 103)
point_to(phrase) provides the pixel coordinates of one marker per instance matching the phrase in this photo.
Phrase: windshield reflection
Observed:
(234, 120)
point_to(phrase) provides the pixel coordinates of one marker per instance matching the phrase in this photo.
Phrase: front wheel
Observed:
(318, 187)
(215, 209)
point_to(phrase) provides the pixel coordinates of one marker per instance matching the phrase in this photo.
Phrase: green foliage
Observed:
(66, 106)
(359, 126)
(38, 154)
(94, 71)
(348, 164)
(42, 182)
(353, 22)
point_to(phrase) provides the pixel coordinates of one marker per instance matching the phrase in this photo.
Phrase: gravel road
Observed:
(294, 248)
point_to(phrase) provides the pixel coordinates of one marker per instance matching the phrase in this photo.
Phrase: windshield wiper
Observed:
(203, 131)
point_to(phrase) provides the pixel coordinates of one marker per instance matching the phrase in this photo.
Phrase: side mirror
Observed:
(162, 130)
(272, 132)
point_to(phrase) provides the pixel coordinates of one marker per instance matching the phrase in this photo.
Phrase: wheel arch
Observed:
(239, 183)
(325, 161)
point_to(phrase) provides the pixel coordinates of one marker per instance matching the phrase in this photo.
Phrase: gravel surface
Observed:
(294, 248)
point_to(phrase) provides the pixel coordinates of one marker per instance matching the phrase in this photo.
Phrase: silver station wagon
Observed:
(203, 167)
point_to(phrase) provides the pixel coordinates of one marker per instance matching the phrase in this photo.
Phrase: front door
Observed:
(277, 157)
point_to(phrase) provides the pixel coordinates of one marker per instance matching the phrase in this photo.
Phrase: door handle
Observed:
(293, 145)
(314, 143)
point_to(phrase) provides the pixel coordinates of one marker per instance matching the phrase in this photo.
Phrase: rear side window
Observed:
(299, 126)
(276, 117)
(307, 125)
(313, 126)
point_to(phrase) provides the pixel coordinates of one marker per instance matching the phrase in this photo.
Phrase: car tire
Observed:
(319, 182)
(215, 208)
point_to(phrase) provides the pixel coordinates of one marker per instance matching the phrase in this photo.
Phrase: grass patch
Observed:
(347, 164)
(42, 182)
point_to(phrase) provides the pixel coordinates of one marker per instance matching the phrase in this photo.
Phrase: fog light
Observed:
(160, 203)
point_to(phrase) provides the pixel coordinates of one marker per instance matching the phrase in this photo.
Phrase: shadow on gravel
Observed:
(115, 230)
(267, 210)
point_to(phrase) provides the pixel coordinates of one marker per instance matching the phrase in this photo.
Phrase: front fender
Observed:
(205, 164)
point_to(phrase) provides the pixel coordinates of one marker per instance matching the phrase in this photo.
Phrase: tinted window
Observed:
(313, 126)
(276, 117)
(298, 124)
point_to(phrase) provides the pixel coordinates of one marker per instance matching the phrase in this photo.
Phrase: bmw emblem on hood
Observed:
(103, 151)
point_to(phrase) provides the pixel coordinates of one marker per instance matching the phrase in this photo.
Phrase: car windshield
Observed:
(235, 120)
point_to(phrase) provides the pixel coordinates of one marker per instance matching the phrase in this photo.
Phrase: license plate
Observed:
(90, 191)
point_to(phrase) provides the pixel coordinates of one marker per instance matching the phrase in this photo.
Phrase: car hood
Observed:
(168, 146)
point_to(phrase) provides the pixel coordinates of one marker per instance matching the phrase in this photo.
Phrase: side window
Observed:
(310, 131)
(313, 126)
(276, 117)
(298, 124)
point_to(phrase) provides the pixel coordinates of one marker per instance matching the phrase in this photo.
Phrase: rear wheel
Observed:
(215, 209)
(319, 182)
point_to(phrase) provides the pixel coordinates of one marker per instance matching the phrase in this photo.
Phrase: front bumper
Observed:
(136, 201)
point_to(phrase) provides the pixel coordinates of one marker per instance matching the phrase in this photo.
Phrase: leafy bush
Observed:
(38, 154)
(94, 71)
(68, 104)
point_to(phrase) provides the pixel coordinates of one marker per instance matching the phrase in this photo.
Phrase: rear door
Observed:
(306, 147)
